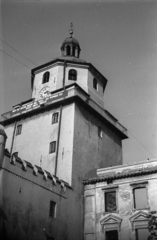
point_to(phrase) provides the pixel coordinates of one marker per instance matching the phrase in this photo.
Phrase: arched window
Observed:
(72, 74)
(68, 50)
(95, 83)
(46, 77)
(73, 53)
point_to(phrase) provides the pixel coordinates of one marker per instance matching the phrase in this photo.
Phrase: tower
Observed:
(64, 127)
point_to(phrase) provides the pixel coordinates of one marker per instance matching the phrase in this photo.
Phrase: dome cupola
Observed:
(70, 47)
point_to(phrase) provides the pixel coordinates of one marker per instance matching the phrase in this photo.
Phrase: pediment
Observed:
(110, 222)
(110, 219)
(139, 216)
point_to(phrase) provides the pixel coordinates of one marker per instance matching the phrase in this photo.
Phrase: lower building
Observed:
(35, 204)
(118, 201)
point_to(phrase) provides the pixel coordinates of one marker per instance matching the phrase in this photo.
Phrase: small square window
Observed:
(52, 147)
(140, 198)
(52, 212)
(110, 201)
(100, 132)
(111, 235)
(19, 129)
(55, 117)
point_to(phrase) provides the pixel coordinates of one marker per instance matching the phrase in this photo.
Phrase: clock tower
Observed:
(64, 128)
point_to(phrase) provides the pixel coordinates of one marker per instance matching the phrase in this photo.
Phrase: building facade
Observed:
(118, 201)
(64, 128)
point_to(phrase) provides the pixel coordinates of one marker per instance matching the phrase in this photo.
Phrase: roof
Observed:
(71, 41)
(145, 169)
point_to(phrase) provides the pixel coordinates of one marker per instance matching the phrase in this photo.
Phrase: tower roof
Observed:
(71, 42)
(70, 46)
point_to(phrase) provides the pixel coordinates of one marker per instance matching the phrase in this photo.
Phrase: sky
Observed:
(118, 37)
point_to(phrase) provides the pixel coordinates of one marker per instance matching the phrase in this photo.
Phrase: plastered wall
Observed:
(90, 151)
(95, 205)
(37, 133)
(25, 202)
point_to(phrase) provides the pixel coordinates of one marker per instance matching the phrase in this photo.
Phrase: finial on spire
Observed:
(71, 30)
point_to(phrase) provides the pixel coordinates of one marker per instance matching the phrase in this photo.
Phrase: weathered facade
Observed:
(34, 204)
(118, 201)
(65, 130)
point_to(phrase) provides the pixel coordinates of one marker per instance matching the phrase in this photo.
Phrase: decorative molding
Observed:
(139, 219)
(111, 221)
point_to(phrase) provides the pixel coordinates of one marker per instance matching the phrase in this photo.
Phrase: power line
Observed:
(17, 51)
(14, 58)
(141, 144)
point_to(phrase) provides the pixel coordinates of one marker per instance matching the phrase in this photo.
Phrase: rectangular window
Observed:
(52, 212)
(110, 201)
(52, 147)
(55, 117)
(95, 84)
(111, 235)
(19, 129)
(100, 132)
(140, 198)
(142, 234)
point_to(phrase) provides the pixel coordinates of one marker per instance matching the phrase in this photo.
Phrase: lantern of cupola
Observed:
(70, 46)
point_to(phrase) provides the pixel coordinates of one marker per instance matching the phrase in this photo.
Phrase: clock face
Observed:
(44, 92)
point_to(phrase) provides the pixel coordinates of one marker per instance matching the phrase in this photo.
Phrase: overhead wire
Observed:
(17, 51)
(16, 60)
(141, 144)
(35, 65)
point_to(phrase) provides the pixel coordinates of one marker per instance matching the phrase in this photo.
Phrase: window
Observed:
(72, 74)
(19, 129)
(54, 118)
(95, 83)
(110, 201)
(52, 147)
(52, 212)
(111, 235)
(142, 234)
(46, 77)
(140, 198)
(100, 132)
(68, 50)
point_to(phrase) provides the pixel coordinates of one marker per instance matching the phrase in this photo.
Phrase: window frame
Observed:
(50, 147)
(107, 190)
(19, 129)
(72, 76)
(139, 185)
(46, 78)
(54, 118)
(52, 209)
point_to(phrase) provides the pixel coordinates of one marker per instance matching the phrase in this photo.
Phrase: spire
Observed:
(71, 30)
